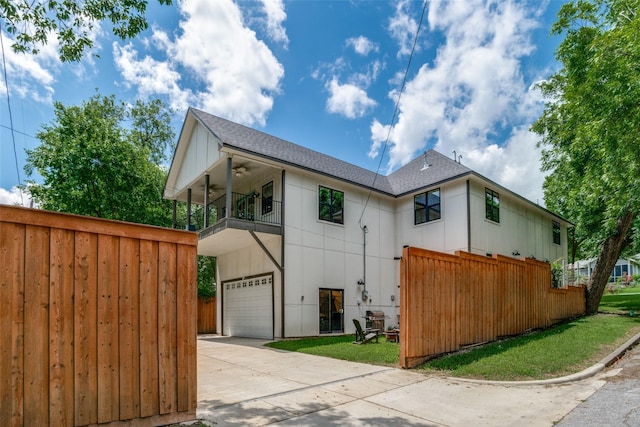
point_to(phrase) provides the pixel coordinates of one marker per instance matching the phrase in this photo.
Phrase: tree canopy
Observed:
(92, 163)
(590, 131)
(34, 23)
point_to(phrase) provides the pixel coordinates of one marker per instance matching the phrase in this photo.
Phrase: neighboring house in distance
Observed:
(584, 268)
(306, 242)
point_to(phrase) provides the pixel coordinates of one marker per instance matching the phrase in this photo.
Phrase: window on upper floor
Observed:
(426, 206)
(267, 198)
(331, 205)
(556, 232)
(492, 204)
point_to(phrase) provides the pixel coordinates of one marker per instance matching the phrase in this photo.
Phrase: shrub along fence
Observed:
(448, 301)
(98, 321)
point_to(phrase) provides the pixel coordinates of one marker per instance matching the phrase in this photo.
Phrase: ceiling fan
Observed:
(240, 171)
(214, 189)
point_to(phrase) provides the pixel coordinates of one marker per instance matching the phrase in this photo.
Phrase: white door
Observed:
(248, 308)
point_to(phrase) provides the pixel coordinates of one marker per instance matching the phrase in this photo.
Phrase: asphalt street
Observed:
(615, 404)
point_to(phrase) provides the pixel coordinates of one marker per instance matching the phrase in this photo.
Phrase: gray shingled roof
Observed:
(405, 180)
(411, 176)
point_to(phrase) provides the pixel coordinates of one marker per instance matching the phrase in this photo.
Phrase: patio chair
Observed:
(364, 336)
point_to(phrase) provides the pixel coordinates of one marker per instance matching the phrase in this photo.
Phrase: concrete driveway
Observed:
(241, 382)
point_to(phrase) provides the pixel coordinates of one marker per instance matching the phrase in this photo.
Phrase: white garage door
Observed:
(248, 308)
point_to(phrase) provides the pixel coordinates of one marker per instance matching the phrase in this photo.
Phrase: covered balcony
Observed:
(232, 204)
(248, 211)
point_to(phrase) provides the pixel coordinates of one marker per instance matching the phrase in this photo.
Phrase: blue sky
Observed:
(322, 74)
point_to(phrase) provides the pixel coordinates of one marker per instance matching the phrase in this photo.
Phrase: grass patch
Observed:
(342, 347)
(620, 303)
(561, 350)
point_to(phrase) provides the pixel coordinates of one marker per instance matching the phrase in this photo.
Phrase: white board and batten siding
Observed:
(203, 150)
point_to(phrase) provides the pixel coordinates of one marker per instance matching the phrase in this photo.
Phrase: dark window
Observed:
(331, 205)
(267, 198)
(426, 206)
(556, 233)
(492, 201)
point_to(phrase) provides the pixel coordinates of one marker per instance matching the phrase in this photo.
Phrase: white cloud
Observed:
(14, 197)
(514, 164)
(235, 75)
(274, 9)
(472, 95)
(348, 100)
(403, 27)
(151, 77)
(362, 45)
(32, 76)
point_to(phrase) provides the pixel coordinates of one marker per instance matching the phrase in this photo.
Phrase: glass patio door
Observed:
(331, 311)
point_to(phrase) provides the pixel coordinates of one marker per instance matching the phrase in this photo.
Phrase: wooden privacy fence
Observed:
(97, 322)
(447, 301)
(206, 315)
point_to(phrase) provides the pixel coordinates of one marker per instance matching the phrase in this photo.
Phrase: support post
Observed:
(188, 209)
(227, 201)
(175, 214)
(206, 201)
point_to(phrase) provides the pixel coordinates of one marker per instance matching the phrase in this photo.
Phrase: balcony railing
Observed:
(247, 207)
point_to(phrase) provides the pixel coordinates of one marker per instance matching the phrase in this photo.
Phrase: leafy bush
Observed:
(206, 277)
(556, 275)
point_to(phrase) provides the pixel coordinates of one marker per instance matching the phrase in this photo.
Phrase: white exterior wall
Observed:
(202, 152)
(521, 228)
(321, 254)
(448, 234)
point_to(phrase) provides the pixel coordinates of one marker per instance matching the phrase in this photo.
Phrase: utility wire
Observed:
(17, 131)
(13, 135)
(395, 111)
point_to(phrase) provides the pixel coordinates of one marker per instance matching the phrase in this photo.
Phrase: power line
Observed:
(13, 135)
(395, 111)
(17, 131)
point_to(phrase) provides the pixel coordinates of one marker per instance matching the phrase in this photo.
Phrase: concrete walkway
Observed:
(243, 383)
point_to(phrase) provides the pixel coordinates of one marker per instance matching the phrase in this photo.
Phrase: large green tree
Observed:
(590, 131)
(34, 22)
(104, 159)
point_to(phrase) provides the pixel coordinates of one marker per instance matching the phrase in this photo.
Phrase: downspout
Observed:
(282, 259)
(365, 294)
(468, 217)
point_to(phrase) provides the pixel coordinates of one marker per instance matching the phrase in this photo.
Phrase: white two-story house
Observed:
(306, 242)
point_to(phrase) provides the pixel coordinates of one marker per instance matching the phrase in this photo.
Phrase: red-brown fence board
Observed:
(447, 301)
(92, 329)
(206, 315)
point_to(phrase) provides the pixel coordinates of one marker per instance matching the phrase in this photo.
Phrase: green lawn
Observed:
(563, 349)
(342, 347)
(622, 301)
